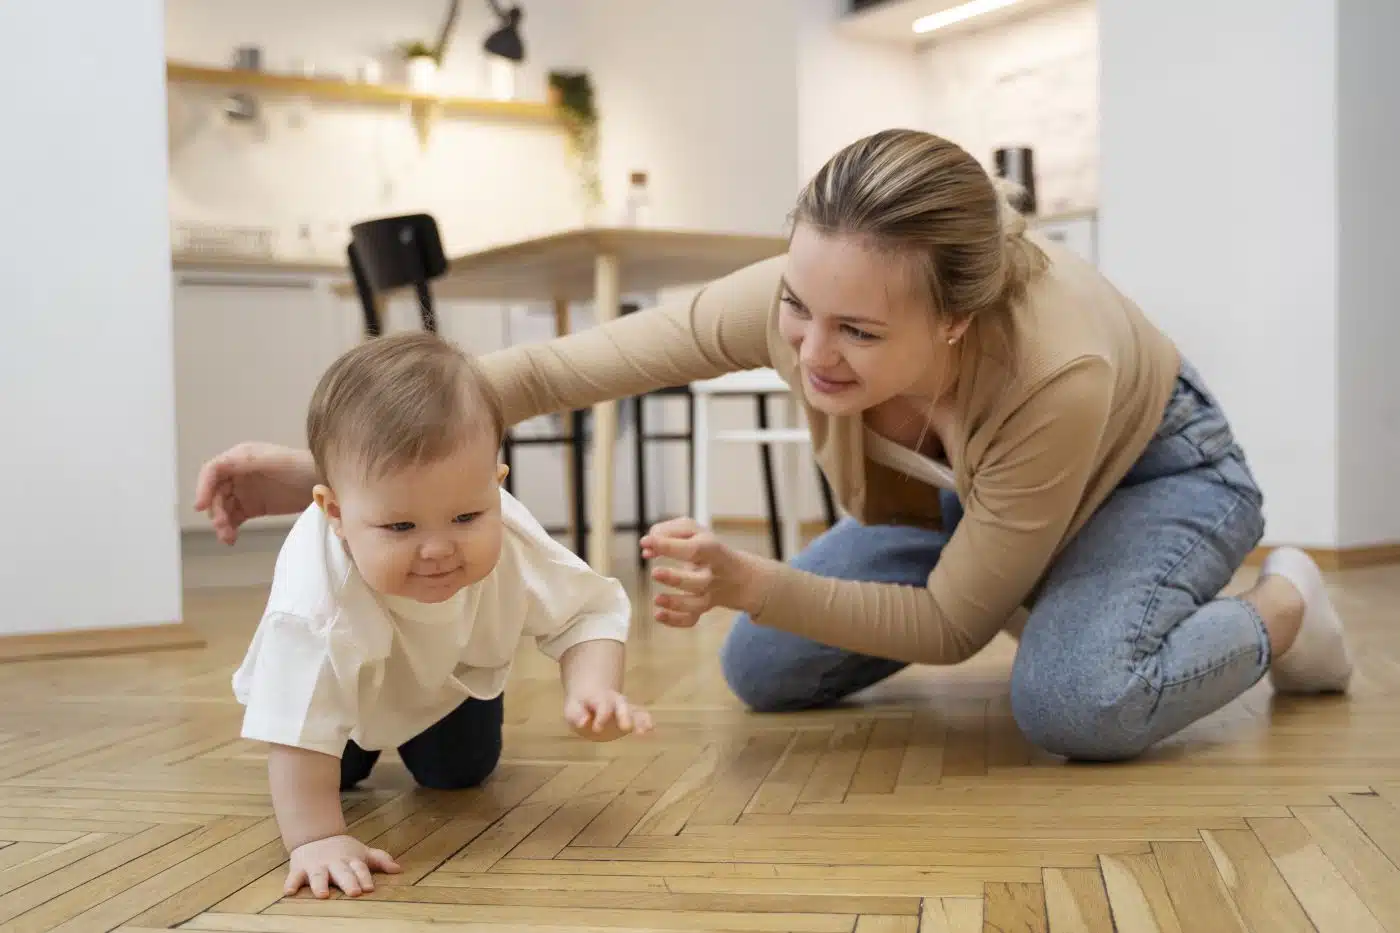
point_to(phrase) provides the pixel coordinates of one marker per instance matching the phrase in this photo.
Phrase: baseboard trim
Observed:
(1328, 559)
(755, 524)
(103, 641)
(1345, 558)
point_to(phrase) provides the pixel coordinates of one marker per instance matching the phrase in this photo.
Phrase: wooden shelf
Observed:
(425, 107)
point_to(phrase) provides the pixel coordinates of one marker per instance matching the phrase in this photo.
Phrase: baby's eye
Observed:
(466, 517)
(399, 526)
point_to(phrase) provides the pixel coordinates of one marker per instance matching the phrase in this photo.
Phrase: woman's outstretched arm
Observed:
(722, 329)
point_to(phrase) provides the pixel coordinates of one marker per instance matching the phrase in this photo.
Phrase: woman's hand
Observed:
(712, 573)
(251, 480)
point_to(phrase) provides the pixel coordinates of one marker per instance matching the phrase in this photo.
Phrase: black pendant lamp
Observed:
(505, 42)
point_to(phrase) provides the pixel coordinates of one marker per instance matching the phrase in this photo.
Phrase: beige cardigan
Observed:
(1046, 425)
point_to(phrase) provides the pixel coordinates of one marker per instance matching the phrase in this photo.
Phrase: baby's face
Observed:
(423, 532)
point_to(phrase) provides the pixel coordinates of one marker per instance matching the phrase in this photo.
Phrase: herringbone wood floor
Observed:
(127, 801)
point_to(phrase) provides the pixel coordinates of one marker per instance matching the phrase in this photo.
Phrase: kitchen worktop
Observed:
(257, 264)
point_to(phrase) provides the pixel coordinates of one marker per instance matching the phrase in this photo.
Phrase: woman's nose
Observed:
(816, 350)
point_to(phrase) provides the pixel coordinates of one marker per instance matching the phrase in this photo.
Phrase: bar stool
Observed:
(784, 533)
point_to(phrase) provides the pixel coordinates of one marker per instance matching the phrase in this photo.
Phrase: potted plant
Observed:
(422, 64)
(423, 59)
(571, 92)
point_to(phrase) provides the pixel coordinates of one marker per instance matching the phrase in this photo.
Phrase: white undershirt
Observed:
(333, 660)
(909, 462)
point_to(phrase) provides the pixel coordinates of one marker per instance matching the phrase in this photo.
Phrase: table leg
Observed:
(700, 459)
(571, 492)
(606, 300)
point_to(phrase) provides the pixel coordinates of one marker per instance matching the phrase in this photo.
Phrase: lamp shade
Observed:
(506, 42)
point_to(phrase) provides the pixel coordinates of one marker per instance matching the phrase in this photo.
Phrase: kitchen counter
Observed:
(257, 264)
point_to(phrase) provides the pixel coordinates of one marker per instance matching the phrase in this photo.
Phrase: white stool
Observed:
(755, 382)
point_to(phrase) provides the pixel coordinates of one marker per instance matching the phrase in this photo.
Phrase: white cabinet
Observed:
(249, 348)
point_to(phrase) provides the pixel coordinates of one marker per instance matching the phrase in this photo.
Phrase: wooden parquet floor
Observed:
(128, 802)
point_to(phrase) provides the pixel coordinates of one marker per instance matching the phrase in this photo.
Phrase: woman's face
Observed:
(862, 332)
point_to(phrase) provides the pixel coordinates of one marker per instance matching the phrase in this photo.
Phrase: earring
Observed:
(952, 340)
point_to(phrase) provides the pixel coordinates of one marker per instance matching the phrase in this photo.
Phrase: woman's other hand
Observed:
(711, 573)
(250, 480)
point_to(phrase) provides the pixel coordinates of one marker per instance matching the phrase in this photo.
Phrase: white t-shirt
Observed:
(333, 660)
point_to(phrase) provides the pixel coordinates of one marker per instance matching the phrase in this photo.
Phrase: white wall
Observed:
(1029, 82)
(87, 482)
(702, 96)
(1218, 214)
(1368, 191)
(848, 88)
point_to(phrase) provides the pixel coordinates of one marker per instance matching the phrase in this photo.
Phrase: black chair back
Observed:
(395, 252)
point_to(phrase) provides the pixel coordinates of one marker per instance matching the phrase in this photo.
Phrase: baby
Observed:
(399, 599)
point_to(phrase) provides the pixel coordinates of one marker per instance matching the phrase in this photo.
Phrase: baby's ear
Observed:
(502, 471)
(325, 500)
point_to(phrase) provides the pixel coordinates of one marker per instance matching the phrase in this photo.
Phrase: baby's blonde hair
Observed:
(923, 197)
(398, 401)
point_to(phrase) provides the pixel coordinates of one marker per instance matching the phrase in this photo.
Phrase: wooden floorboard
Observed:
(128, 802)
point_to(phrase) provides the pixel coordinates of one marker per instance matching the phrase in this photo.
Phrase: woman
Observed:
(1006, 432)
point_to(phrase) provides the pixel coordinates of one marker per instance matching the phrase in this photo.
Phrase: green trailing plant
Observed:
(418, 49)
(572, 93)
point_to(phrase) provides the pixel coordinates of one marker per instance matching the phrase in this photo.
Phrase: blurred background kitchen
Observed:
(181, 181)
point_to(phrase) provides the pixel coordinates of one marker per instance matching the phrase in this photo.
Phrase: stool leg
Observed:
(508, 457)
(791, 497)
(639, 448)
(828, 502)
(765, 453)
(576, 451)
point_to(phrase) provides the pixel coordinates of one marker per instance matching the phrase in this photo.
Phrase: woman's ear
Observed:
(954, 332)
(325, 500)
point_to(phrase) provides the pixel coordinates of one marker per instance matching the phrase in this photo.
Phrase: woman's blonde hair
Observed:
(922, 197)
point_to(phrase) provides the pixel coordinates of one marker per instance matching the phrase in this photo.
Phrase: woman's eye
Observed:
(792, 303)
(859, 334)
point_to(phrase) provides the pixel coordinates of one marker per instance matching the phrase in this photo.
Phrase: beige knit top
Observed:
(1047, 422)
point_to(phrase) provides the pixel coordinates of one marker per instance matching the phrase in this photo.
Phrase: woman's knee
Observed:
(773, 671)
(758, 675)
(1083, 715)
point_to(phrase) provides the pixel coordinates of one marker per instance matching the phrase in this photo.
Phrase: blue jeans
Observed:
(1127, 641)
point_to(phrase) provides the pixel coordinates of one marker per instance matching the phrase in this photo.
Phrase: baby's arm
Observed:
(580, 619)
(306, 798)
(593, 702)
(297, 705)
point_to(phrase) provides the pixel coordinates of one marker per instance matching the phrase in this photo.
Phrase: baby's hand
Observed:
(342, 860)
(605, 715)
